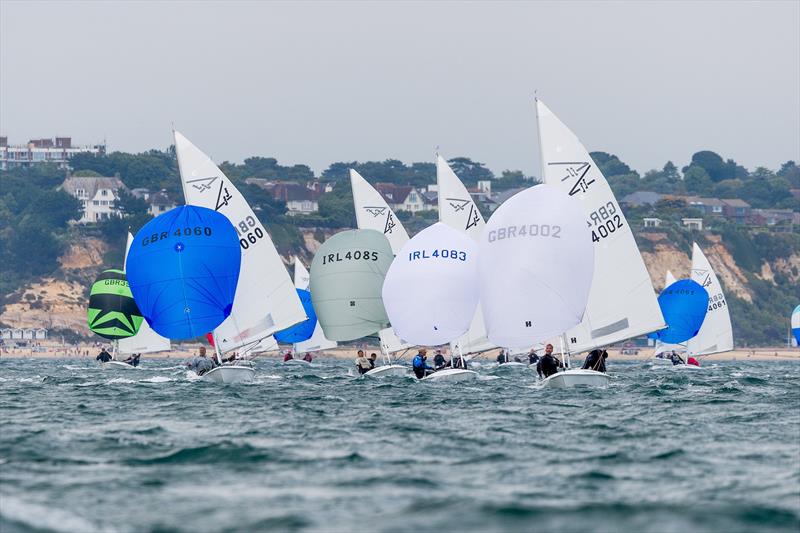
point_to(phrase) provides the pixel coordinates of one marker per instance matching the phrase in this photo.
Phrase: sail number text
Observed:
(178, 232)
(443, 254)
(604, 221)
(248, 232)
(357, 255)
(525, 230)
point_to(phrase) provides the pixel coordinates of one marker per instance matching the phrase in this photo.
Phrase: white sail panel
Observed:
(662, 347)
(265, 300)
(716, 334)
(458, 210)
(267, 344)
(372, 212)
(317, 341)
(146, 340)
(622, 303)
(431, 290)
(535, 261)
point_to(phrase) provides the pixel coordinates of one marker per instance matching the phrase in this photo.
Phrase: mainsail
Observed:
(317, 341)
(716, 334)
(431, 289)
(146, 340)
(535, 264)
(267, 301)
(457, 209)
(622, 304)
(372, 212)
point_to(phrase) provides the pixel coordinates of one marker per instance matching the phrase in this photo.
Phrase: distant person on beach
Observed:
(287, 356)
(308, 357)
(200, 364)
(676, 359)
(549, 363)
(596, 360)
(133, 360)
(420, 364)
(439, 362)
(362, 363)
(103, 356)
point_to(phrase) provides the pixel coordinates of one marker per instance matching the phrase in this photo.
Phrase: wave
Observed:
(30, 515)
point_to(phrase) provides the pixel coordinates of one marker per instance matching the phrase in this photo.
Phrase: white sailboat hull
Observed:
(687, 367)
(298, 362)
(452, 374)
(387, 370)
(576, 378)
(658, 361)
(230, 374)
(513, 364)
(117, 365)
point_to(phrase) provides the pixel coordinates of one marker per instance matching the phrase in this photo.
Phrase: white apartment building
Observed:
(56, 151)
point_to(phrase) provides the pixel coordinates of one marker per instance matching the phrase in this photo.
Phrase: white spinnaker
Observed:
(317, 341)
(457, 209)
(372, 212)
(431, 290)
(622, 303)
(146, 340)
(716, 333)
(662, 347)
(265, 300)
(535, 263)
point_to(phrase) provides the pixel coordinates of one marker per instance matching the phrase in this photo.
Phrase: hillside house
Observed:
(96, 194)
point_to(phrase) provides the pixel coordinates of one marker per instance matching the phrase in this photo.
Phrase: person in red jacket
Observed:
(693, 361)
(287, 356)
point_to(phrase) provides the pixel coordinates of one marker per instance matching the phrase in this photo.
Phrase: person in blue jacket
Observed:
(420, 364)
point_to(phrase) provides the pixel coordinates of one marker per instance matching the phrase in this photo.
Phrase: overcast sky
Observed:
(322, 82)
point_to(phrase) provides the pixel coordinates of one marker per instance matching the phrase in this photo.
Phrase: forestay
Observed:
(662, 347)
(716, 334)
(317, 341)
(267, 301)
(535, 262)
(457, 209)
(431, 289)
(622, 303)
(347, 274)
(372, 212)
(146, 340)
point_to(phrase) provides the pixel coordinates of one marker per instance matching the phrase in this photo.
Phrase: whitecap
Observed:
(157, 379)
(43, 517)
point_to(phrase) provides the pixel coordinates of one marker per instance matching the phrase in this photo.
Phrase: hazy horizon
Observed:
(316, 83)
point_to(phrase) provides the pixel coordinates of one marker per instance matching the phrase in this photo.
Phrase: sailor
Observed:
(676, 359)
(362, 363)
(103, 356)
(596, 360)
(458, 361)
(133, 360)
(502, 357)
(439, 361)
(372, 357)
(420, 364)
(287, 356)
(308, 357)
(549, 363)
(200, 364)
(533, 357)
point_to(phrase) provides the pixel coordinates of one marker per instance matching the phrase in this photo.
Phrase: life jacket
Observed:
(693, 361)
(418, 362)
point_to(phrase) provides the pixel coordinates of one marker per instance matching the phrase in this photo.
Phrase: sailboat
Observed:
(112, 312)
(431, 292)
(372, 212)
(716, 334)
(266, 301)
(347, 275)
(535, 266)
(317, 341)
(796, 325)
(145, 340)
(458, 210)
(622, 304)
(666, 347)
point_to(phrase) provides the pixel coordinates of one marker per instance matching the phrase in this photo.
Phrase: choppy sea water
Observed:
(315, 449)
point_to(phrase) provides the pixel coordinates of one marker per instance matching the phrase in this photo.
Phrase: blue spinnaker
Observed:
(796, 324)
(183, 268)
(304, 330)
(684, 305)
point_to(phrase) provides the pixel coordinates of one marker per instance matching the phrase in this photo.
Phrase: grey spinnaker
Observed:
(347, 276)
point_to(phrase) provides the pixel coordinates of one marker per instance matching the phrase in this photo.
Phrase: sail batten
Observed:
(621, 290)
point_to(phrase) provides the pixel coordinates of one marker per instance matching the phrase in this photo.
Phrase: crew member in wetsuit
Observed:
(549, 363)
(502, 357)
(308, 357)
(596, 360)
(103, 356)
(362, 363)
(439, 361)
(458, 361)
(133, 360)
(533, 357)
(676, 359)
(372, 358)
(420, 364)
